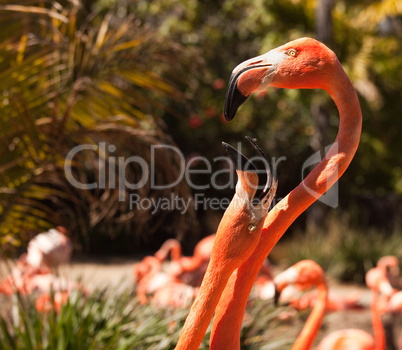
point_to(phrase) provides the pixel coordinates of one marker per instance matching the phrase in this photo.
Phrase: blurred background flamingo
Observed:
(307, 274)
(35, 271)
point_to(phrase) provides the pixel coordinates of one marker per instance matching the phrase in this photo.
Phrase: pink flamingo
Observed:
(308, 274)
(188, 269)
(45, 302)
(300, 64)
(335, 302)
(49, 249)
(390, 264)
(150, 277)
(33, 270)
(174, 295)
(176, 284)
(237, 236)
(179, 286)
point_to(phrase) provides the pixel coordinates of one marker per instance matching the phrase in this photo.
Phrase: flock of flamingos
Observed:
(229, 265)
(168, 279)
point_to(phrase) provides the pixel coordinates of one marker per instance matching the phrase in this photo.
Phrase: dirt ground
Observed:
(117, 272)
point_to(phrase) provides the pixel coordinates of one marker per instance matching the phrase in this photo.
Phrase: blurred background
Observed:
(132, 74)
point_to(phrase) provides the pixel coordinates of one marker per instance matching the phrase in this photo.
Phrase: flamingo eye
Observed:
(252, 227)
(292, 52)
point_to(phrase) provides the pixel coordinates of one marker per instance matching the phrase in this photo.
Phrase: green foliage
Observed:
(98, 321)
(138, 73)
(367, 41)
(263, 329)
(72, 78)
(105, 320)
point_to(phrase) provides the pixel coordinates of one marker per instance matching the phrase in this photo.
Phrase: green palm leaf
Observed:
(70, 80)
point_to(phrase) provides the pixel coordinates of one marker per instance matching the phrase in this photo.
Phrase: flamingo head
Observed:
(303, 275)
(62, 230)
(240, 228)
(390, 263)
(304, 63)
(376, 280)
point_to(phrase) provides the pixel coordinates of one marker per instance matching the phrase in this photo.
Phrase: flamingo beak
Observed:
(249, 179)
(255, 74)
(243, 82)
(285, 279)
(246, 172)
(277, 295)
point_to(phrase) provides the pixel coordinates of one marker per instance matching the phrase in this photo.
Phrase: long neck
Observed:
(202, 310)
(313, 324)
(228, 317)
(232, 246)
(378, 328)
(172, 246)
(189, 264)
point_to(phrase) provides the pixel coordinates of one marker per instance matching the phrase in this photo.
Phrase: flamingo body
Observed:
(157, 278)
(237, 257)
(347, 339)
(300, 64)
(307, 274)
(395, 303)
(49, 249)
(237, 236)
(175, 295)
(390, 264)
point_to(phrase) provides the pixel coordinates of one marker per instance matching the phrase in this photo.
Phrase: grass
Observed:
(101, 320)
(106, 320)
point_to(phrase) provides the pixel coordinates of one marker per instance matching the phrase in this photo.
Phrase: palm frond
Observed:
(70, 79)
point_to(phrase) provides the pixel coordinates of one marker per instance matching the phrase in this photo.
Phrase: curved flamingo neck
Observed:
(190, 263)
(378, 328)
(313, 324)
(229, 314)
(171, 246)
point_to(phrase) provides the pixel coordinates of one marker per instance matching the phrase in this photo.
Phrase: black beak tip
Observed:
(240, 161)
(228, 117)
(276, 296)
(234, 99)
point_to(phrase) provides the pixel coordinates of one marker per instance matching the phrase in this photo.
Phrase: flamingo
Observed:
(335, 302)
(306, 274)
(377, 279)
(300, 64)
(394, 307)
(149, 277)
(33, 270)
(390, 264)
(174, 295)
(394, 304)
(46, 302)
(49, 249)
(176, 284)
(237, 236)
(358, 339)
(183, 274)
(188, 269)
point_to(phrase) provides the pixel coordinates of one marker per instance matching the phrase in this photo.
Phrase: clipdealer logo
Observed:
(112, 175)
